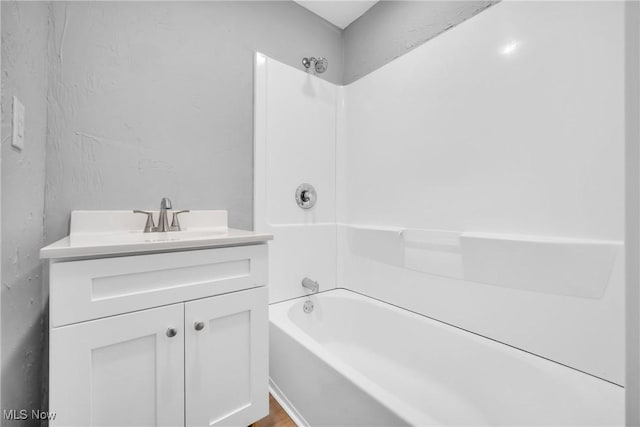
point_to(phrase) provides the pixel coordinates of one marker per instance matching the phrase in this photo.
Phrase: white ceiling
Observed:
(339, 13)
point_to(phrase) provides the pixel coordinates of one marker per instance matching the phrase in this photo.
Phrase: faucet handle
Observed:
(175, 224)
(149, 225)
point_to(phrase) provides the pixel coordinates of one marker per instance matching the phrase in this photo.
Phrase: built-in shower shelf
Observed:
(548, 264)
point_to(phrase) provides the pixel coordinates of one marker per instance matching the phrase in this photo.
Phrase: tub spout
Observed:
(312, 285)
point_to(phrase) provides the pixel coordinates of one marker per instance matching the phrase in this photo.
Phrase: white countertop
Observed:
(107, 233)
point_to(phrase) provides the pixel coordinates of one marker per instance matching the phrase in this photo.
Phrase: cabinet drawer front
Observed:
(91, 289)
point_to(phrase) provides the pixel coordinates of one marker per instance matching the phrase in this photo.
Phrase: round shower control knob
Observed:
(172, 332)
(198, 326)
(306, 196)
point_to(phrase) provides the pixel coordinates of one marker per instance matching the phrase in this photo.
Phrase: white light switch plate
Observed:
(17, 139)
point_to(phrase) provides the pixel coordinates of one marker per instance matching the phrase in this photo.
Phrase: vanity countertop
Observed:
(109, 233)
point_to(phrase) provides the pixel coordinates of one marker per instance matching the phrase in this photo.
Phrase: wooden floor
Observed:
(276, 418)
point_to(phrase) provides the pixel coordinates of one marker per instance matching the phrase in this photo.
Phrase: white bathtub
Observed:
(358, 361)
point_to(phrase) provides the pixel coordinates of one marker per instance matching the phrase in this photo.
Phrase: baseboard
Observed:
(286, 405)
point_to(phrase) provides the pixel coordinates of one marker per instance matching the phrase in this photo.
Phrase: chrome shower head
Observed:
(321, 65)
(314, 65)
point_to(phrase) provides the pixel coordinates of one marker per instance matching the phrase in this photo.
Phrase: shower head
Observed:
(321, 65)
(315, 65)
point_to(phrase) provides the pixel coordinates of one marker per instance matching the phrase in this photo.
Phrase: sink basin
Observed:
(106, 233)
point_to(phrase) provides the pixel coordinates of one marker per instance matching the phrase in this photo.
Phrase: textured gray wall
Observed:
(392, 28)
(24, 74)
(153, 99)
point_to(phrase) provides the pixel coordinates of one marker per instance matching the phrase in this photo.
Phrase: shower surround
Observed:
(477, 180)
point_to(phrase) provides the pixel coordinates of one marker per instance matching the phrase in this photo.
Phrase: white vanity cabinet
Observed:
(128, 370)
(176, 338)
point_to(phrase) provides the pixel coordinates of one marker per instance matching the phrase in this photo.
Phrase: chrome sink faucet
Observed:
(163, 221)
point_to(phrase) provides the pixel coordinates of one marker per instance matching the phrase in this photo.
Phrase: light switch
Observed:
(17, 139)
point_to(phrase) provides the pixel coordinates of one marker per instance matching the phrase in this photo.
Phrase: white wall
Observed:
(510, 123)
(461, 136)
(295, 128)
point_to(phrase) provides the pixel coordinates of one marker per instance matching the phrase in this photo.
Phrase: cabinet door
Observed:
(119, 371)
(226, 351)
